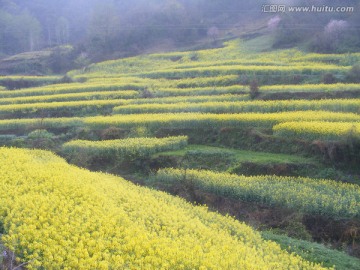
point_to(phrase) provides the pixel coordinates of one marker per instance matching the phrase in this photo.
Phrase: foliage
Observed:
(40, 134)
(314, 252)
(335, 105)
(40, 138)
(106, 95)
(317, 130)
(59, 216)
(124, 149)
(57, 109)
(254, 89)
(198, 120)
(354, 74)
(337, 87)
(315, 196)
(17, 82)
(71, 88)
(187, 99)
(181, 120)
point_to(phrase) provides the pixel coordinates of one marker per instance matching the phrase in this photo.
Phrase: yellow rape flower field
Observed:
(317, 129)
(57, 216)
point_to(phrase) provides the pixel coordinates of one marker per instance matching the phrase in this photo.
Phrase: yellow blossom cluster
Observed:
(318, 129)
(233, 53)
(178, 120)
(187, 99)
(321, 87)
(106, 95)
(203, 120)
(57, 216)
(316, 196)
(83, 107)
(336, 105)
(124, 149)
(66, 88)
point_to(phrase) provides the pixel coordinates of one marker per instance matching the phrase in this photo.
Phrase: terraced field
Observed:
(214, 116)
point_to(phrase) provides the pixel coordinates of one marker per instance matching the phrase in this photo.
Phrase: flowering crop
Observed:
(190, 99)
(71, 97)
(312, 87)
(57, 216)
(58, 108)
(317, 130)
(71, 88)
(125, 149)
(197, 91)
(180, 120)
(324, 197)
(337, 105)
(39, 79)
(199, 120)
(241, 70)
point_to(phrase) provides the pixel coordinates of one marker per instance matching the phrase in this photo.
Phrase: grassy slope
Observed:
(242, 156)
(315, 252)
(137, 65)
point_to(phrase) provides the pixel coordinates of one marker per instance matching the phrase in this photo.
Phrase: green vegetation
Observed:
(72, 97)
(287, 119)
(322, 197)
(236, 161)
(314, 252)
(60, 216)
(56, 109)
(240, 155)
(154, 122)
(69, 88)
(121, 150)
(318, 130)
(336, 105)
(16, 82)
(337, 87)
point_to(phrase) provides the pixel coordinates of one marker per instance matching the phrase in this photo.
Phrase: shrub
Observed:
(41, 138)
(40, 134)
(254, 89)
(354, 74)
(329, 78)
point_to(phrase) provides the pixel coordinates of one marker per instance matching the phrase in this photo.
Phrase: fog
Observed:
(115, 28)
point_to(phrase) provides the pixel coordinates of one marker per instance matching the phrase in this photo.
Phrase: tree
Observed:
(254, 89)
(19, 32)
(213, 32)
(103, 29)
(62, 30)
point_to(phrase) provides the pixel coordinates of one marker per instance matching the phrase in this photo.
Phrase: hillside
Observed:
(99, 30)
(269, 137)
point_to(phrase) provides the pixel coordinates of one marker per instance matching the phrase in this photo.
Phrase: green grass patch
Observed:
(314, 252)
(242, 155)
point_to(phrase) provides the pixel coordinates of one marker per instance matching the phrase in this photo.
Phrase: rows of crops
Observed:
(69, 88)
(336, 105)
(108, 95)
(57, 216)
(64, 217)
(233, 53)
(41, 79)
(180, 120)
(83, 107)
(318, 130)
(314, 196)
(187, 99)
(125, 149)
(58, 108)
(310, 70)
(336, 87)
